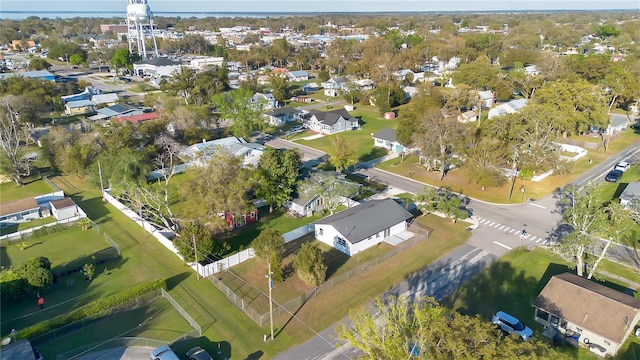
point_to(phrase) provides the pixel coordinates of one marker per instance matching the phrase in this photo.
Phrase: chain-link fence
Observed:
(291, 306)
(182, 312)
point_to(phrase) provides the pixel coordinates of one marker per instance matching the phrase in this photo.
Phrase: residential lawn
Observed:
(34, 186)
(26, 225)
(512, 284)
(612, 191)
(156, 320)
(334, 304)
(458, 181)
(361, 139)
(254, 284)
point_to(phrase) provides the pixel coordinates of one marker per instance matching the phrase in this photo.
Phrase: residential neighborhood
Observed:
(303, 185)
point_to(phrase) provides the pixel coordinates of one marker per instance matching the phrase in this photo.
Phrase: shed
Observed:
(390, 115)
(64, 208)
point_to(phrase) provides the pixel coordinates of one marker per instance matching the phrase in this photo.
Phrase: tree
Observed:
(442, 200)
(478, 74)
(122, 59)
(614, 227)
(220, 184)
(331, 189)
(484, 161)
(13, 137)
(605, 31)
(268, 245)
(194, 234)
(244, 113)
(76, 59)
(279, 87)
(39, 64)
(88, 270)
(309, 263)
(342, 154)
(424, 329)
(182, 83)
(37, 272)
(438, 137)
(276, 176)
(583, 213)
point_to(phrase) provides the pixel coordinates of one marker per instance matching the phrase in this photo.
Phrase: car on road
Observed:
(622, 166)
(511, 325)
(613, 176)
(198, 353)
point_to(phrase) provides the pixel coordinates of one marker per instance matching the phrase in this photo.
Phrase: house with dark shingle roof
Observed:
(386, 138)
(331, 122)
(597, 317)
(365, 225)
(160, 66)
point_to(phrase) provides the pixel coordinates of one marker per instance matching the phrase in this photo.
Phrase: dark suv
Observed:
(198, 353)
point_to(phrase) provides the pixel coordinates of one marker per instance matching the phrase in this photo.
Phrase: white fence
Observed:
(18, 234)
(203, 270)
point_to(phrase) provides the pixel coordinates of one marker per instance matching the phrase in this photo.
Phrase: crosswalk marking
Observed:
(507, 228)
(511, 231)
(501, 227)
(496, 226)
(537, 241)
(493, 222)
(533, 238)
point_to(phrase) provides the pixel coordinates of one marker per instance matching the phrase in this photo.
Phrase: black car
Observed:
(613, 176)
(198, 353)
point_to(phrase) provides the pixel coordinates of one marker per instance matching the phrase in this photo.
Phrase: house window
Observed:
(606, 342)
(320, 232)
(253, 215)
(341, 242)
(541, 314)
(377, 235)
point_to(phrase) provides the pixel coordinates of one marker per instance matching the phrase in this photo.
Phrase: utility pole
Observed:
(195, 252)
(270, 299)
(101, 184)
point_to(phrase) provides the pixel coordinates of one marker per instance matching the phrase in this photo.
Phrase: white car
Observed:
(622, 166)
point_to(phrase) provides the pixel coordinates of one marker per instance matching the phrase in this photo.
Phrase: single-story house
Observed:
(118, 110)
(202, 63)
(79, 107)
(363, 226)
(410, 91)
(109, 99)
(36, 74)
(236, 221)
(267, 99)
(617, 122)
(486, 98)
(386, 138)
(593, 315)
(364, 84)
(249, 152)
(156, 67)
(305, 205)
(86, 94)
(331, 122)
(18, 211)
(310, 87)
(298, 75)
(630, 193)
(137, 119)
(281, 116)
(468, 116)
(510, 107)
(64, 208)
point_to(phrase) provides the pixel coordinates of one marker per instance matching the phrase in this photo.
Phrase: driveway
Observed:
(309, 154)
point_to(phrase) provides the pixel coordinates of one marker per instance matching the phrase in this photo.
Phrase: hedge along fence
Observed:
(40, 330)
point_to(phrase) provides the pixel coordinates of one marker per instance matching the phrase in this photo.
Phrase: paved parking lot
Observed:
(121, 353)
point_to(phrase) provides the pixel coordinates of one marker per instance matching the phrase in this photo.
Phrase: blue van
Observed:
(164, 353)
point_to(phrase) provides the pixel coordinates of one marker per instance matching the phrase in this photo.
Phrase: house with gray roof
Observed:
(363, 226)
(281, 116)
(334, 86)
(106, 99)
(249, 152)
(510, 107)
(331, 122)
(156, 67)
(617, 122)
(630, 193)
(587, 313)
(386, 138)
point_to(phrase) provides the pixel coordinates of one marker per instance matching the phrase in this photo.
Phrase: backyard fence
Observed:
(182, 312)
(54, 186)
(23, 234)
(291, 306)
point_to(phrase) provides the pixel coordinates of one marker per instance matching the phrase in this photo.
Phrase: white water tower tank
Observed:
(138, 10)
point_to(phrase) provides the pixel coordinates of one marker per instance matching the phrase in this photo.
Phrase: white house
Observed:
(64, 208)
(630, 193)
(386, 138)
(18, 211)
(249, 152)
(298, 75)
(591, 314)
(267, 99)
(334, 86)
(202, 63)
(486, 98)
(363, 226)
(305, 205)
(108, 99)
(331, 122)
(617, 122)
(281, 116)
(156, 67)
(510, 107)
(468, 116)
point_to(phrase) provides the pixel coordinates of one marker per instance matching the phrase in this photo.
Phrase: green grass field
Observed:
(371, 123)
(26, 225)
(511, 285)
(32, 187)
(157, 320)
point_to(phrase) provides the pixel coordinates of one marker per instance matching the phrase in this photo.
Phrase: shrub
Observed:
(90, 309)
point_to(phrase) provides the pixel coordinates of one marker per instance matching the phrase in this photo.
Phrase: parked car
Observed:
(511, 325)
(198, 353)
(622, 166)
(613, 176)
(164, 353)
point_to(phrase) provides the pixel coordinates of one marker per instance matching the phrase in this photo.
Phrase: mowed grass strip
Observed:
(27, 225)
(156, 320)
(334, 304)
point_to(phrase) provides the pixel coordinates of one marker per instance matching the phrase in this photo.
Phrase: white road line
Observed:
(482, 221)
(505, 230)
(533, 238)
(536, 205)
(527, 236)
(503, 245)
(545, 242)
(496, 226)
(537, 241)
(493, 222)
(502, 227)
(511, 231)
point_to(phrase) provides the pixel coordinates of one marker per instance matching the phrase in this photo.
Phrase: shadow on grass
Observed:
(95, 208)
(334, 259)
(619, 189)
(219, 350)
(376, 152)
(4, 257)
(175, 280)
(108, 256)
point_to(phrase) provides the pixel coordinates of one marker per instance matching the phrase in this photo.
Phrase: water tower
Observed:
(140, 28)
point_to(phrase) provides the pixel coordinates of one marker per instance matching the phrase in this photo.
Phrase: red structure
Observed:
(236, 221)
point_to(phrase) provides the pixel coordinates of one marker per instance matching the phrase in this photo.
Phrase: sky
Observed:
(40, 6)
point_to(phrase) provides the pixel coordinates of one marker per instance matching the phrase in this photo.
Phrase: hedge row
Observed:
(90, 309)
